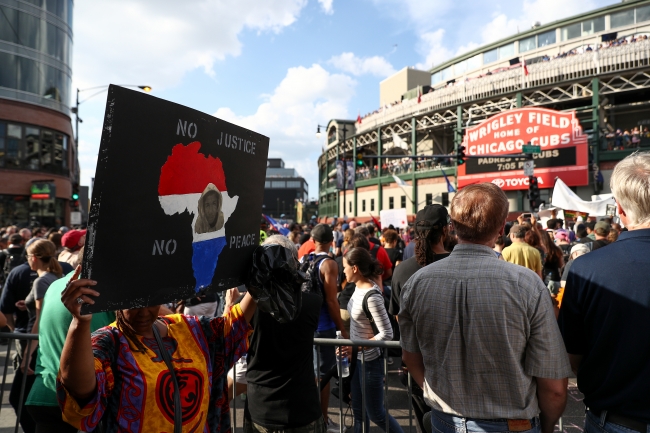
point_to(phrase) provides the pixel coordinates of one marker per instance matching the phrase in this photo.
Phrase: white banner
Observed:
(564, 198)
(396, 217)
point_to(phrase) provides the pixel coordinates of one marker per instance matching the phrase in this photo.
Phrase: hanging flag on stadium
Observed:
(405, 187)
(523, 64)
(450, 187)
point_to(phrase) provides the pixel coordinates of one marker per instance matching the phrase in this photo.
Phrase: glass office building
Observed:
(36, 138)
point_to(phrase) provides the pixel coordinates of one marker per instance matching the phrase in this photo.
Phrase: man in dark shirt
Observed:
(17, 287)
(282, 392)
(581, 234)
(431, 227)
(601, 230)
(605, 313)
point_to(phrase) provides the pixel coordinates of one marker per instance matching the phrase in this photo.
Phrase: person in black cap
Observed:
(329, 320)
(431, 228)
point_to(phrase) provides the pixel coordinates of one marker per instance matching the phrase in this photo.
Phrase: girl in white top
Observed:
(361, 268)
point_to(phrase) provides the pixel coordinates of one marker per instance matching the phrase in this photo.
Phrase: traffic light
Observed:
(460, 155)
(74, 198)
(533, 193)
(360, 159)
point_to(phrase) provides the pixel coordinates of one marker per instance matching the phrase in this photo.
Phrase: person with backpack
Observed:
(14, 255)
(361, 268)
(322, 266)
(281, 387)
(347, 287)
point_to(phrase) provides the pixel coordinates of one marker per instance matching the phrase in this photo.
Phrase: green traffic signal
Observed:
(75, 196)
(360, 159)
(460, 155)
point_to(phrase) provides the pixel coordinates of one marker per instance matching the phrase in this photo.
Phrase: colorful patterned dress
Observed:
(135, 391)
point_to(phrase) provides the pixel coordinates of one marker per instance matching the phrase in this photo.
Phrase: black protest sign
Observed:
(176, 203)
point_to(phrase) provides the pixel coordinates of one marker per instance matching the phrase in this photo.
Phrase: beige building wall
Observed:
(392, 88)
(433, 186)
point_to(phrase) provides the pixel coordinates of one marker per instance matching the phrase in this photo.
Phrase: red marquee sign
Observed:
(559, 134)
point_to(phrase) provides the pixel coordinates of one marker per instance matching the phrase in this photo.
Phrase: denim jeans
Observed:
(595, 424)
(374, 397)
(327, 353)
(446, 423)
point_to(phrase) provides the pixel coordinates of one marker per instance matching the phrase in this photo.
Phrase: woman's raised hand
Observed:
(77, 293)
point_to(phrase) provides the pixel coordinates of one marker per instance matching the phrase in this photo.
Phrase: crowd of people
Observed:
(492, 317)
(402, 165)
(628, 139)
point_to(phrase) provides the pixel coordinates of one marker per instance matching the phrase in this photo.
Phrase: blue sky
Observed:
(279, 67)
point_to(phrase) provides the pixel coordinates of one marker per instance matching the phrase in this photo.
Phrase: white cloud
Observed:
(421, 13)
(305, 97)
(354, 65)
(160, 40)
(434, 49)
(326, 5)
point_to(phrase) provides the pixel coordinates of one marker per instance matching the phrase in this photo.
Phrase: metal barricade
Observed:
(11, 336)
(365, 343)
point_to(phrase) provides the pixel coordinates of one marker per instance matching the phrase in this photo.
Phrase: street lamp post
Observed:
(75, 109)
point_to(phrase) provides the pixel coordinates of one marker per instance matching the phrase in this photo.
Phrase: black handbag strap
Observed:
(178, 414)
(366, 310)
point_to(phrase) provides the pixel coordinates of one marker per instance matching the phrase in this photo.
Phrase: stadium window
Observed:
(620, 19)
(278, 184)
(436, 78)
(490, 56)
(506, 51)
(546, 38)
(460, 67)
(363, 205)
(473, 63)
(402, 202)
(571, 32)
(391, 203)
(593, 26)
(267, 184)
(527, 44)
(429, 199)
(447, 74)
(372, 205)
(350, 207)
(642, 14)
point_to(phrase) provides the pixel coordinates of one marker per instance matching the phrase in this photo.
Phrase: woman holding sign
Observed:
(120, 375)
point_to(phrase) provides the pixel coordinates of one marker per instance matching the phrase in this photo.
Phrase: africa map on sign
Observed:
(191, 182)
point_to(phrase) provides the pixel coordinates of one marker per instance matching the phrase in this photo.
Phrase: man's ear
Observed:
(503, 228)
